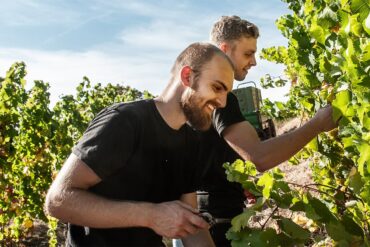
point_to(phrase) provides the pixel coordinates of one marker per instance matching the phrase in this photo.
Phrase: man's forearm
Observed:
(201, 239)
(81, 207)
(269, 153)
(274, 151)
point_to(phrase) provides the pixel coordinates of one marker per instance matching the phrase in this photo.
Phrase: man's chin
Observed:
(241, 77)
(202, 128)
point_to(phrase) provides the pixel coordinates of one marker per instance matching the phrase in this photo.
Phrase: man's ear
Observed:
(185, 76)
(224, 47)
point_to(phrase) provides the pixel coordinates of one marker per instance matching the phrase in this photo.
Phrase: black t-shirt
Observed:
(225, 199)
(139, 158)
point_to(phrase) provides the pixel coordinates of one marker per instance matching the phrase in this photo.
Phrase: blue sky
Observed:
(129, 42)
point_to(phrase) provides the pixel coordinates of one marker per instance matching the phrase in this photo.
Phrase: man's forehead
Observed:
(246, 43)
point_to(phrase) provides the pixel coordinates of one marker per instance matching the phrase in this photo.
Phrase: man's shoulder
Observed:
(133, 106)
(232, 100)
(119, 113)
(133, 109)
(227, 116)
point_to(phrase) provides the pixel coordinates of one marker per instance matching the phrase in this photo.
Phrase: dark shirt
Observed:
(139, 158)
(225, 199)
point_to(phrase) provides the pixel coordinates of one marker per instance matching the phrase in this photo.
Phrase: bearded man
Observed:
(131, 178)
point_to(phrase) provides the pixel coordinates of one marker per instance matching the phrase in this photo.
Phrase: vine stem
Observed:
(308, 186)
(273, 212)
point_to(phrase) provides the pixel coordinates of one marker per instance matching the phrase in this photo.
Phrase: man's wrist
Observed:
(146, 214)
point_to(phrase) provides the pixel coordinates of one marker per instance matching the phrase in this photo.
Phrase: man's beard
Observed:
(195, 114)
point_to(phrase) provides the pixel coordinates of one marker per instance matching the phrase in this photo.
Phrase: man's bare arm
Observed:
(267, 154)
(69, 201)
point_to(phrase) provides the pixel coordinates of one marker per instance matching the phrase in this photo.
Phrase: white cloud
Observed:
(64, 70)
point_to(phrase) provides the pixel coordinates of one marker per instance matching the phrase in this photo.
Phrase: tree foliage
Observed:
(35, 140)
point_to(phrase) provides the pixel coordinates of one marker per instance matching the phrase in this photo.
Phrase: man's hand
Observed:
(176, 219)
(324, 119)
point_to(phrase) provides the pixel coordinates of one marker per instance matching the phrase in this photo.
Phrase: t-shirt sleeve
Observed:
(107, 143)
(231, 114)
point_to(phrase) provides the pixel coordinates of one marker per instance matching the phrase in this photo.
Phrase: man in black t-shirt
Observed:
(131, 179)
(233, 137)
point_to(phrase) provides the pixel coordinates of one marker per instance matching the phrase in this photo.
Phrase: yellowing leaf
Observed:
(27, 223)
(267, 181)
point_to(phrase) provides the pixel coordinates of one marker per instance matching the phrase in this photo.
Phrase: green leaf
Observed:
(340, 104)
(313, 144)
(321, 209)
(298, 205)
(365, 194)
(327, 18)
(283, 186)
(241, 221)
(365, 56)
(267, 181)
(293, 230)
(351, 226)
(337, 231)
(255, 237)
(355, 181)
(366, 24)
(366, 120)
(317, 33)
(361, 7)
(356, 27)
(364, 158)
(348, 142)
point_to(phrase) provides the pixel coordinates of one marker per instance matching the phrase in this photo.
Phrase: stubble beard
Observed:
(241, 76)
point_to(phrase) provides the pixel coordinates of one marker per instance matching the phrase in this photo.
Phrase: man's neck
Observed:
(169, 107)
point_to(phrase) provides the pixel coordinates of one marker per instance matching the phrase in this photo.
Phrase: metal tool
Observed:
(212, 220)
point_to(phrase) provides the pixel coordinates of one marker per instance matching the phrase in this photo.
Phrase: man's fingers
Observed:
(193, 216)
(191, 229)
(198, 221)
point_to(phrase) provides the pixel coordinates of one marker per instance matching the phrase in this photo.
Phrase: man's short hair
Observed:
(230, 28)
(196, 55)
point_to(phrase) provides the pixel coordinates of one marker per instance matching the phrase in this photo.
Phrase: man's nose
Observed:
(254, 61)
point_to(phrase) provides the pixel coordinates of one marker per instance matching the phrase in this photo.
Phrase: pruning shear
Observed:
(212, 220)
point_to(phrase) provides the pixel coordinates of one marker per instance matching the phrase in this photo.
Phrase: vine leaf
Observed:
(364, 158)
(340, 104)
(293, 230)
(267, 181)
(241, 221)
(366, 24)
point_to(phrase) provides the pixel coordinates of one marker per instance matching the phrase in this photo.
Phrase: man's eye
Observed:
(217, 89)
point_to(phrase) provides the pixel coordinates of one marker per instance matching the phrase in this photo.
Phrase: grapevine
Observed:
(327, 61)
